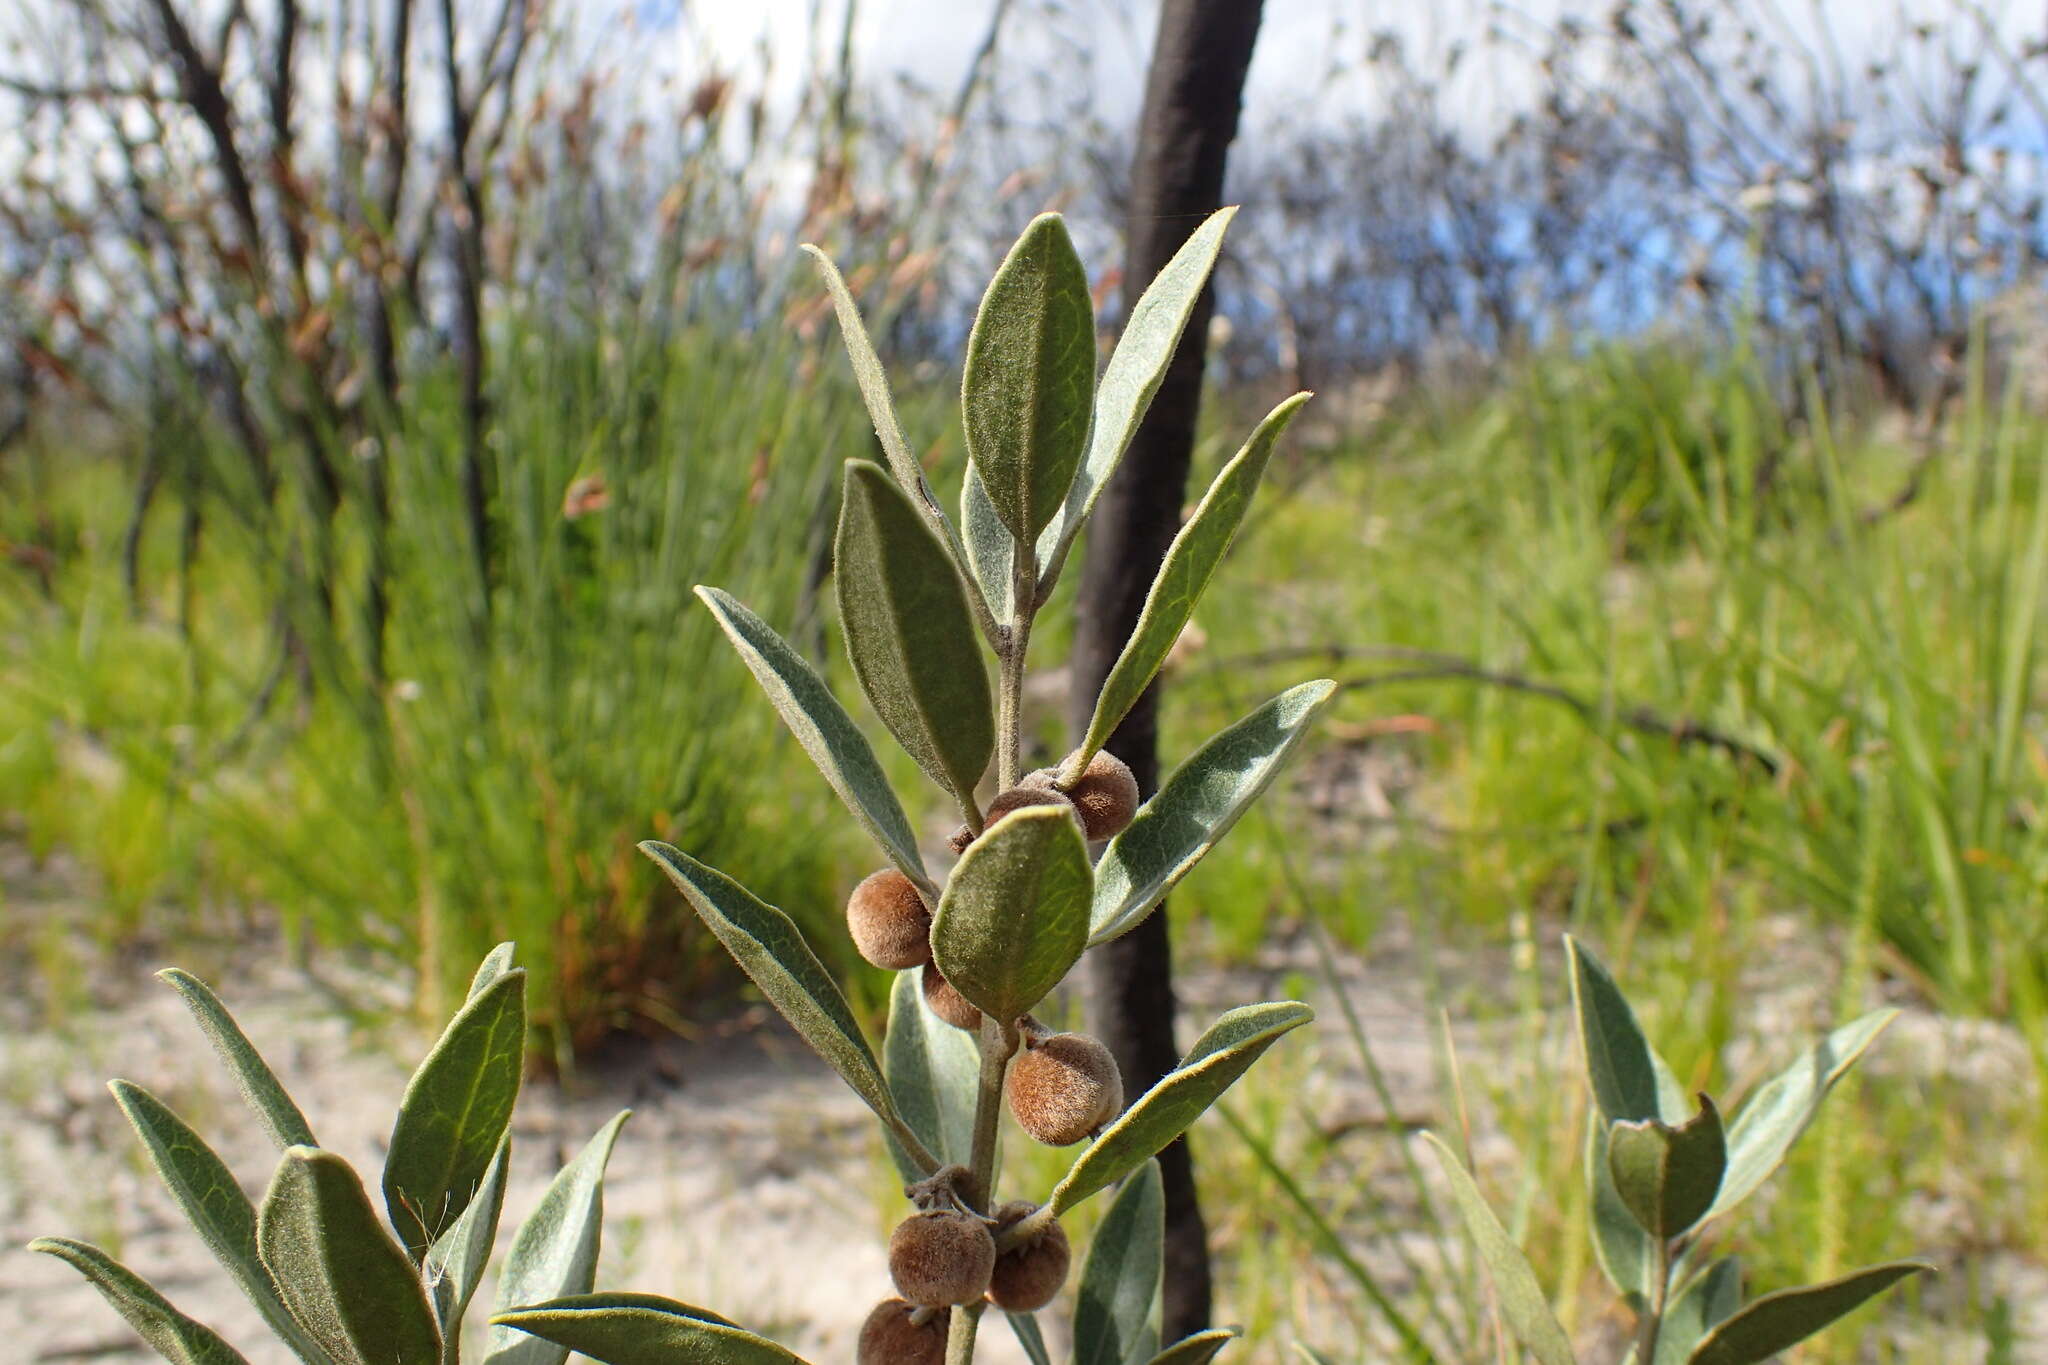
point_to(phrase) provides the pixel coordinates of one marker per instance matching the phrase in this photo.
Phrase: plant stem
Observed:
(960, 1336)
(998, 1045)
(1653, 1316)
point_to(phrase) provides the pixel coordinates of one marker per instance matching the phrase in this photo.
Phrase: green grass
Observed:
(495, 783)
(1524, 590)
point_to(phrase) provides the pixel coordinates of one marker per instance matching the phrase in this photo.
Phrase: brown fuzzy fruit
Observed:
(888, 1338)
(941, 1257)
(1026, 793)
(1106, 796)
(948, 1003)
(888, 921)
(1063, 1088)
(1027, 1277)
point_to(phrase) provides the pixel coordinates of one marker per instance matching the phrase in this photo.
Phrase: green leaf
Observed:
(1014, 916)
(1623, 1249)
(1618, 1056)
(1773, 1118)
(456, 1109)
(823, 728)
(1136, 368)
(932, 1069)
(1121, 1277)
(643, 1329)
(1196, 808)
(1772, 1323)
(909, 634)
(212, 1201)
(1165, 1111)
(990, 551)
(1025, 1327)
(1312, 1355)
(554, 1253)
(259, 1085)
(1521, 1297)
(771, 951)
(169, 1333)
(1185, 572)
(868, 374)
(1030, 378)
(347, 1283)
(495, 964)
(455, 1263)
(1668, 1176)
(1199, 1349)
(1701, 1304)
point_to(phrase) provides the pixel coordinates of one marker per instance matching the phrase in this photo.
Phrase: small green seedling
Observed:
(1660, 1167)
(925, 606)
(334, 1282)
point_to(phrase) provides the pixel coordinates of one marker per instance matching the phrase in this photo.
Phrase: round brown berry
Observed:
(889, 922)
(1063, 1088)
(941, 1257)
(889, 1338)
(1029, 1275)
(1022, 795)
(948, 1003)
(1106, 796)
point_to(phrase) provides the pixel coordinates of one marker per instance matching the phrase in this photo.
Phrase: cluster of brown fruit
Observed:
(1061, 1087)
(946, 1255)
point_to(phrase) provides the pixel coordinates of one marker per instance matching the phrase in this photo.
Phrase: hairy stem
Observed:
(998, 1045)
(960, 1336)
(1653, 1315)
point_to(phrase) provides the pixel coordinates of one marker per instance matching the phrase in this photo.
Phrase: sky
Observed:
(934, 40)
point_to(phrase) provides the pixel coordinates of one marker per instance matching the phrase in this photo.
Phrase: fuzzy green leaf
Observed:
(1618, 1055)
(496, 963)
(1120, 1280)
(932, 1069)
(1701, 1304)
(909, 634)
(1136, 368)
(554, 1253)
(1165, 1111)
(212, 1201)
(823, 728)
(1014, 916)
(1621, 1246)
(1190, 562)
(1668, 1175)
(1776, 1321)
(1029, 382)
(456, 1109)
(990, 550)
(771, 951)
(1773, 1118)
(868, 374)
(1199, 1349)
(1024, 1326)
(253, 1077)
(1521, 1297)
(347, 1283)
(1196, 808)
(455, 1263)
(169, 1333)
(643, 1329)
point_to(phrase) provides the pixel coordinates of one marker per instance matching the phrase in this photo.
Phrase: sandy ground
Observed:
(748, 1180)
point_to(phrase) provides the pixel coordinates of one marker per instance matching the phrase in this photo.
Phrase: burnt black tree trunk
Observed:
(1192, 97)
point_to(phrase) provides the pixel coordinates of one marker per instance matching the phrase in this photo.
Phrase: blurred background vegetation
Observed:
(380, 378)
